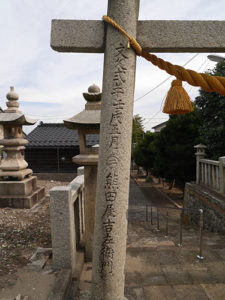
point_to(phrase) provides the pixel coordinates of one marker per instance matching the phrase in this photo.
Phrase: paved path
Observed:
(156, 268)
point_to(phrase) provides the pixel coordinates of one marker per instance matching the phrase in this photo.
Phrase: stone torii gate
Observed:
(116, 116)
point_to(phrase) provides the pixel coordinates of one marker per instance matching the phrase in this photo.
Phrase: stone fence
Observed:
(67, 222)
(210, 173)
(207, 193)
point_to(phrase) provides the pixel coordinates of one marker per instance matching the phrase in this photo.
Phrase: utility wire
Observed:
(49, 117)
(158, 85)
(184, 86)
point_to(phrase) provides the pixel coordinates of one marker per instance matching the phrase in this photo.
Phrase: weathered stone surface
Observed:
(193, 292)
(21, 194)
(1, 131)
(77, 36)
(61, 286)
(39, 258)
(24, 187)
(90, 179)
(134, 293)
(63, 229)
(86, 117)
(114, 156)
(86, 159)
(214, 291)
(88, 122)
(116, 118)
(80, 171)
(155, 36)
(13, 164)
(159, 292)
(181, 36)
(15, 119)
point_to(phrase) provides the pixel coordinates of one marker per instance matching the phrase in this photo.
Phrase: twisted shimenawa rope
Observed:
(205, 81)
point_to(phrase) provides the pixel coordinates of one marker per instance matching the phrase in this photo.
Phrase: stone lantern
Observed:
(18, 188)
(88, 122)
(200, 154)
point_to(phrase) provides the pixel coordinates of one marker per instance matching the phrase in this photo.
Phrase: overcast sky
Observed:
(50, 84)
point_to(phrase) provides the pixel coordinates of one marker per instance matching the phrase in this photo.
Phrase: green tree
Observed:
(212, 113)
(144, 151)
(174, 147)
(138, 130)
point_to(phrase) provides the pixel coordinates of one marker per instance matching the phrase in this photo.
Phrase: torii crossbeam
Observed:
(154, 36)
(116, 116)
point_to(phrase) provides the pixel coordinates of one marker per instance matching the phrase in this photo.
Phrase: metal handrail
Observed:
(201, 223)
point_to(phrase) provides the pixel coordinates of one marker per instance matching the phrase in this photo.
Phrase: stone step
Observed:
(147, 266)
(177, 292)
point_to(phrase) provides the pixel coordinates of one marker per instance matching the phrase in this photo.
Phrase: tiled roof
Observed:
(159, 125)
(57, 135)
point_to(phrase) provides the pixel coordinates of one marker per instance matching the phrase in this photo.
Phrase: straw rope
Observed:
(205, 81)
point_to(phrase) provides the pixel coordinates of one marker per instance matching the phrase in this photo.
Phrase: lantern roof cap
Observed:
(93, 94)
(90, 116)
(16, 119)
(12, 115)
(200, 146)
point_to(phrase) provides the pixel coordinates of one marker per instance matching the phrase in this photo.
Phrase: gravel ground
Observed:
(22, 231)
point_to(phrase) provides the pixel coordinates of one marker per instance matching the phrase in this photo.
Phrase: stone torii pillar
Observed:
(116, 116)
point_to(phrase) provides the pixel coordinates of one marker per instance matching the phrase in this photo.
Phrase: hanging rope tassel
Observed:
(207, 82)
(177, 100)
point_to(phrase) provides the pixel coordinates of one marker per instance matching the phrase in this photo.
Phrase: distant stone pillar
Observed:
(222, 173)
(200, 154)
(90, 179)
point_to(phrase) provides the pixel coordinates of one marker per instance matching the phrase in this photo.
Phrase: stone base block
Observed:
(21, 194)
(20, 188)
(19, 175)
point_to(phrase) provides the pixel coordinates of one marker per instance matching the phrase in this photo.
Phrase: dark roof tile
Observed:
(57, 135)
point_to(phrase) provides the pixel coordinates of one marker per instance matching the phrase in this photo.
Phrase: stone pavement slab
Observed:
(159, 292)
(157, 269)
(192, 292)
(214, 291)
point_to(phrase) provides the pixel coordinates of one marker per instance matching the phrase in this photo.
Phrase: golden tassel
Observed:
(177, 100)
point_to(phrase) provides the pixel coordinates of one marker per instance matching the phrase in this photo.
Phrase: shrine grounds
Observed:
(155, 267)
(22, 231)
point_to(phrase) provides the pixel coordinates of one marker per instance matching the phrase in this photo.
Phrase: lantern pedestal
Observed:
(21, 194)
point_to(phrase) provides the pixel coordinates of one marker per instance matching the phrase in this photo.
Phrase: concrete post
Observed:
(63, 228)
(222, 173)
(200, 154)
(63, 224)
(114, 156)
(80, 171)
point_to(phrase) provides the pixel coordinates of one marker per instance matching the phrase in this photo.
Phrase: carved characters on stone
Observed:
(111, 173)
